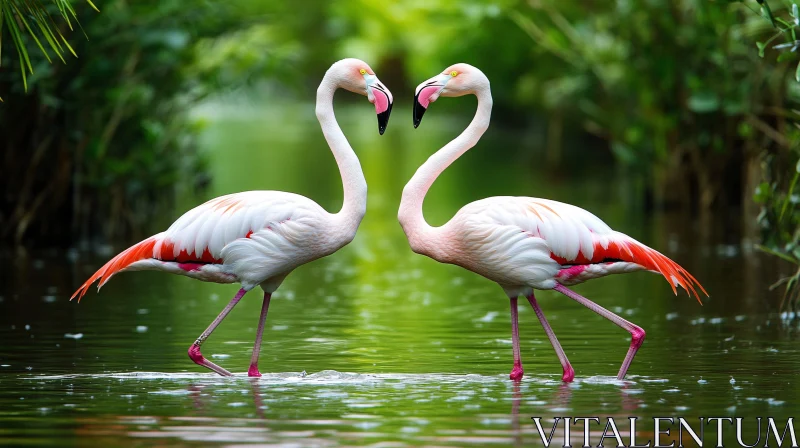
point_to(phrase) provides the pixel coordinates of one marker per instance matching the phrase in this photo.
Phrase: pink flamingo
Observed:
(522, 243)
(256, 238)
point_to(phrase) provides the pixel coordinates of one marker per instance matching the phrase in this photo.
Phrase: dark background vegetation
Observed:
(690, 98)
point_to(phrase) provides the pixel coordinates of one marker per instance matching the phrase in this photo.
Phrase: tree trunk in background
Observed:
(673, 184)
(555, 133)
(35, 177)
(752, 176)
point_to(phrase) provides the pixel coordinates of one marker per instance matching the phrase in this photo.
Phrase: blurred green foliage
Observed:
(779, 220)
(675, 90)
(34, 19)
(108, 134)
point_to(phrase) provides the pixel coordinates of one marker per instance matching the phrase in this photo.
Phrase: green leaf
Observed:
(21, 17)
(766, 12)
(777, 254)
(623, 152)
(48, 35)
(785, 56)
(16, 17)
(1, 36)
(789, 194)
(92, 5)
(703, 102)
(797, 167)
(797, 73)
(761, 46)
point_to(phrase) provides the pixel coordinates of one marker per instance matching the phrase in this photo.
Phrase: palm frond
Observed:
(31, 18)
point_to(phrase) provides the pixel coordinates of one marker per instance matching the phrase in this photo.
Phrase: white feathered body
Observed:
(253, 238)
(524, 243)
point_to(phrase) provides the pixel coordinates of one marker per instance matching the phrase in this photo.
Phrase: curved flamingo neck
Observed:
(419, 233)
(353, 182)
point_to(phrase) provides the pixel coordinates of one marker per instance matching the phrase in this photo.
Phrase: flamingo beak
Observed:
(381, 97)
(428, 92)
(419, 111)
(383, 119)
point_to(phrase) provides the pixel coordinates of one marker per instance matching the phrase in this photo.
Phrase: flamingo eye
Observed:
(454, 73)
(363, 72)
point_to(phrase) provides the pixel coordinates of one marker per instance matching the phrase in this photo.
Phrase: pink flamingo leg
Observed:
(569, 372)
(194, 350)
(637, 334)
(516, 372)
(253, 370)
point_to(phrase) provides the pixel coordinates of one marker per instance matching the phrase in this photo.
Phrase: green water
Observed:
(375, 345)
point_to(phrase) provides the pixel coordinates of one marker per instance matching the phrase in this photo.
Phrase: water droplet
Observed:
(489, 316)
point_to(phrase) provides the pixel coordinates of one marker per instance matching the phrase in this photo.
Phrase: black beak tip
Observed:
(383, 119)
(419, 111)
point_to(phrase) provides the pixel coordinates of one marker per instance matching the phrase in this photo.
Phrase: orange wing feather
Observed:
(634, 252)
(139, 251)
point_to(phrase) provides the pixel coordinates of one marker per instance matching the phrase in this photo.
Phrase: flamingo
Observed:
(522, 243)
(256, 238)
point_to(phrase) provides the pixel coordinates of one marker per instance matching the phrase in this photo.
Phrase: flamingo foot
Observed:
(516, 372)
(569, 374)
(197, 357)
(253, 371)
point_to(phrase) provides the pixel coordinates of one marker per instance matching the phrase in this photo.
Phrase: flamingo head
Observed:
(356, 76)
(456, 80)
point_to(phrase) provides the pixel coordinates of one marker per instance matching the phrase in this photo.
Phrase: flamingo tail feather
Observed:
(139, 251)
(657, 262)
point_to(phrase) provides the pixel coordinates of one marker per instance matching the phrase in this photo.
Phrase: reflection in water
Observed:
(561, 396)
(630, 400)
(257, 400)
(195, 392)
(401, 349)
(515, 402)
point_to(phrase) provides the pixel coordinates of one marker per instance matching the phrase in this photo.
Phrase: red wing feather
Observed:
(168, 249)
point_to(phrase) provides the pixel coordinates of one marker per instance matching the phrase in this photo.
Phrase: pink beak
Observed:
(381, 97)
(428, 92)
